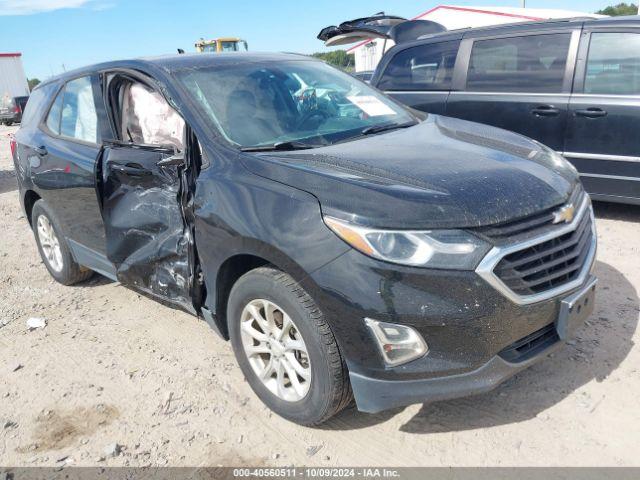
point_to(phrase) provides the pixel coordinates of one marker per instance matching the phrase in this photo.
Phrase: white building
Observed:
(13, 81)
(368, 53)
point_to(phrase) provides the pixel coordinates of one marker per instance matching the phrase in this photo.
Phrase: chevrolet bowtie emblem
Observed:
(565, 214)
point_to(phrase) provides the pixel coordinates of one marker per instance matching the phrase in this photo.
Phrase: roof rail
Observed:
(517, 24)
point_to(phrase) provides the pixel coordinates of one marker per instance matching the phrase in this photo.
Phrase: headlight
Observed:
(448, 249)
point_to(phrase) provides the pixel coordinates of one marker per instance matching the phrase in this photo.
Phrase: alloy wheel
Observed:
(49, 243)
(276, 350)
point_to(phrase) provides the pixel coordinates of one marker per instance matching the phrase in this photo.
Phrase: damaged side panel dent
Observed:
(148, 238)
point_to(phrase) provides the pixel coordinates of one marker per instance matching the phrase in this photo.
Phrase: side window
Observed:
(53, 118)
(79, 119)
(34, 104)
(425, 67)
(534, 63)
(613, 64)
(148, 119)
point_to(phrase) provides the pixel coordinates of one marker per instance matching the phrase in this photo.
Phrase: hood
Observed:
(441, 173)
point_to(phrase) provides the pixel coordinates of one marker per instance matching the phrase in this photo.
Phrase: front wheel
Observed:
(285, 348)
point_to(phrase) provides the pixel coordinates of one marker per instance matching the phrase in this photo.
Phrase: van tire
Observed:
(70, 271)
(329, 391)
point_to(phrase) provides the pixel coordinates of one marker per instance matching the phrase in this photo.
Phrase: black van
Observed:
(573, 85)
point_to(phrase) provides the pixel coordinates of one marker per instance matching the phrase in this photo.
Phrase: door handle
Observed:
(41, 151)
(591, 113)
(546, 111)
(131, 170)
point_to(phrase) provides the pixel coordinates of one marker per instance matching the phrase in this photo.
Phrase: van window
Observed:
(613, 65)
(426, 67)
(534, 63)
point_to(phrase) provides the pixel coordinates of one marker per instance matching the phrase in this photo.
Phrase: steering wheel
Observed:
(318, 115)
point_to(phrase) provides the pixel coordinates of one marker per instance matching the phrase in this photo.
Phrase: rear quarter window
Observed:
(425, 67)
(35, 105)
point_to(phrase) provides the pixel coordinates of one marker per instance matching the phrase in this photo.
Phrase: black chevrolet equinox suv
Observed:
(346, 245)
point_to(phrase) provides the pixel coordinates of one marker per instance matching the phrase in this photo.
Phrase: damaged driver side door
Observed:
(144, 194)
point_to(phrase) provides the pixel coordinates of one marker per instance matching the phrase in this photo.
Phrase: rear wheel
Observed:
(53, 247)
(285, 348)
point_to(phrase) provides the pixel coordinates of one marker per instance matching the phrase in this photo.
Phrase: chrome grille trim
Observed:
(496, 254)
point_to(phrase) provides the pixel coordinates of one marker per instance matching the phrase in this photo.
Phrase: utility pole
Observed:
(524, 3)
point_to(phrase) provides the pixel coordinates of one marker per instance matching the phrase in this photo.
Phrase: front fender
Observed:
(240, 213)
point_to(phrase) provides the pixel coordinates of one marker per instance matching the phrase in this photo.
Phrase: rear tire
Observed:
(323, 387)
(53, 247)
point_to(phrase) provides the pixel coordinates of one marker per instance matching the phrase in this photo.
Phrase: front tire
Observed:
(285, 348)
(53, 247)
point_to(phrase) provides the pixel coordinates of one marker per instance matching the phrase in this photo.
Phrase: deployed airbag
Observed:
(148, 119)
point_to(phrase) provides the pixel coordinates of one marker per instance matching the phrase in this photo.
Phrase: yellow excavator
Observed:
(223, 44)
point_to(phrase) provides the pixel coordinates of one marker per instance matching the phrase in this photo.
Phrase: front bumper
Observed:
(471, 328)
(10, 116)
(375, 395)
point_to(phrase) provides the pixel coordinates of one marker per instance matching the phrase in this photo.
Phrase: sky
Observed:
(54, 35)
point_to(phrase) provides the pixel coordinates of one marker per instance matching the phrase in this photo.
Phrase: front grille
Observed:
(531, 345)
(532, 224)
(519, 227)
(549, 264)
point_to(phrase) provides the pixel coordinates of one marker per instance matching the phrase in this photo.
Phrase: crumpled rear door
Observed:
(148, 239)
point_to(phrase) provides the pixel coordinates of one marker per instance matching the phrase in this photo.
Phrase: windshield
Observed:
(296, 101)
(229, 46)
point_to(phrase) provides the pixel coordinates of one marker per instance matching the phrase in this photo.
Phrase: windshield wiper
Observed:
(292, 145)
(386, 127)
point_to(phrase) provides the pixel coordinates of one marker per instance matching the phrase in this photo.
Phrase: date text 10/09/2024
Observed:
(316, 472)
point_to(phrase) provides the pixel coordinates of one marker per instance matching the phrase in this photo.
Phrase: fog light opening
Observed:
(398, 344)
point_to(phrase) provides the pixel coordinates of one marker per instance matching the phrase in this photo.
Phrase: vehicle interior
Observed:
(301, 100)
(143, 115)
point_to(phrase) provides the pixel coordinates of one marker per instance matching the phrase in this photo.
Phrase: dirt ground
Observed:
(112, 367)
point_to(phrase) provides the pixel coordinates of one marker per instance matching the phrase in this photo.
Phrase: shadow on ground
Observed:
(617, 211)
(96, 280)
(8, 181)
(601, 345)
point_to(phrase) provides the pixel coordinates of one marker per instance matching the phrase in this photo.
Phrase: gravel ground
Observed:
(117, 379)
